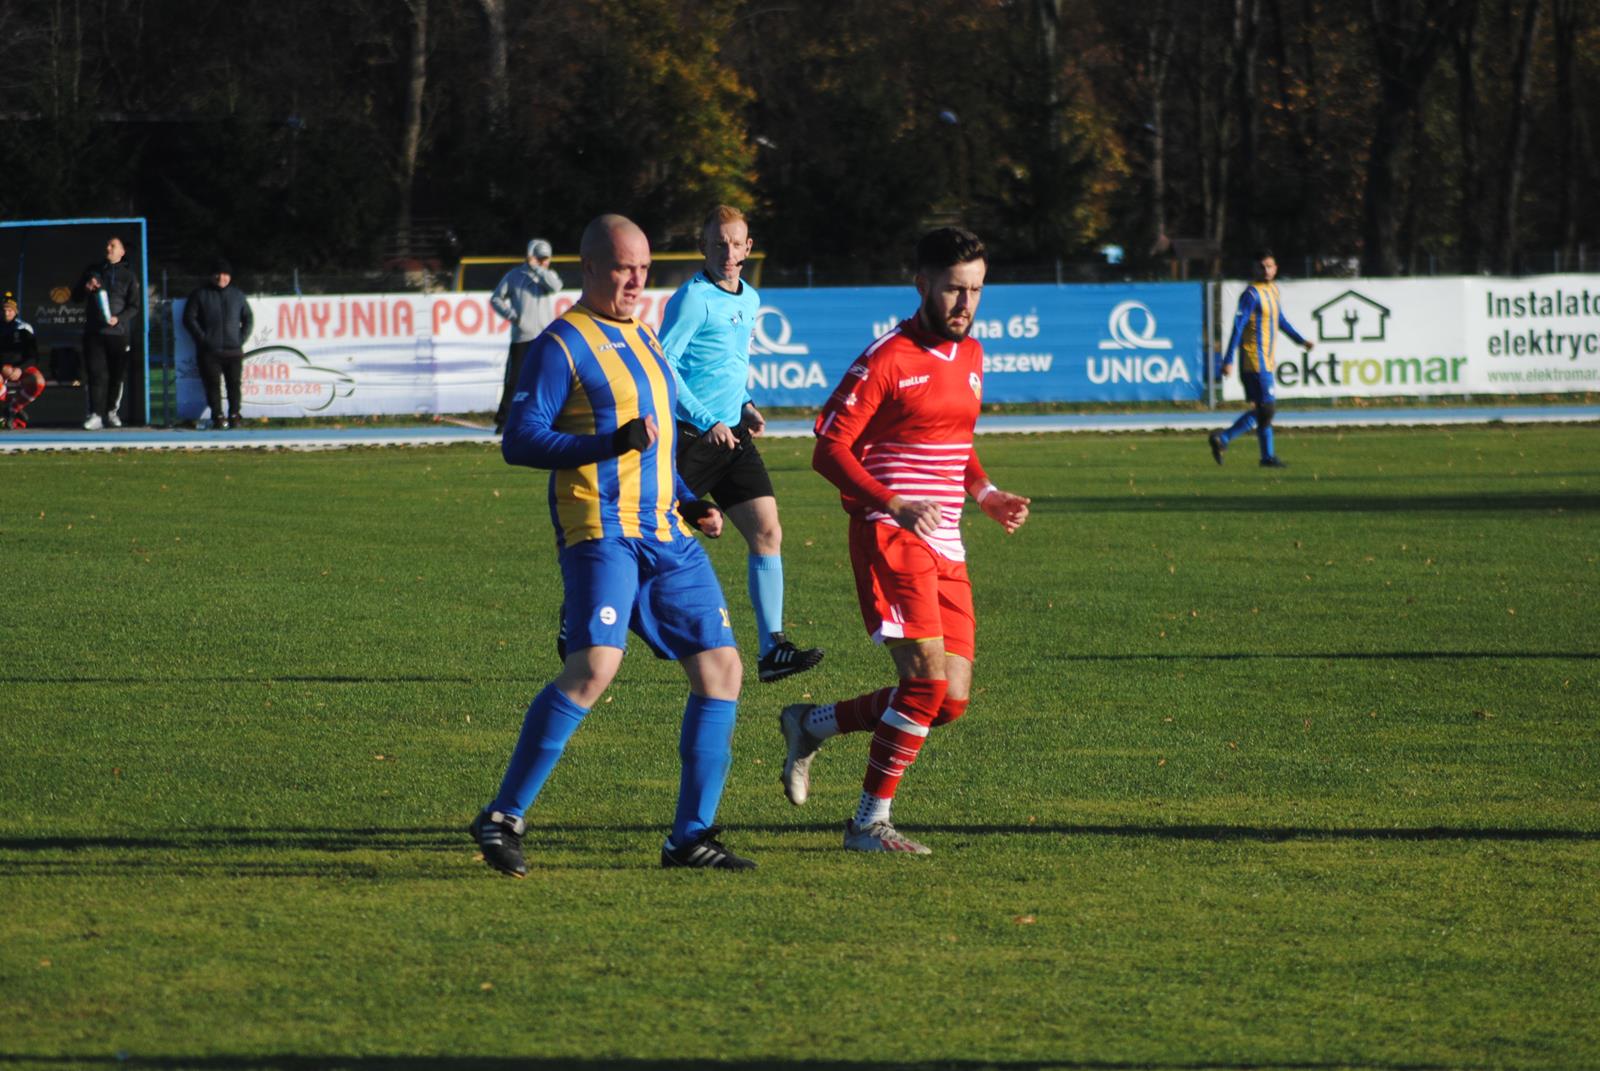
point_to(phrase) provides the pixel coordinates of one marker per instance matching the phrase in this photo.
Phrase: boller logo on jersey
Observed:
(975, 381)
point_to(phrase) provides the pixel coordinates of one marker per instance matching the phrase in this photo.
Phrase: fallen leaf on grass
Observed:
(1024, 920)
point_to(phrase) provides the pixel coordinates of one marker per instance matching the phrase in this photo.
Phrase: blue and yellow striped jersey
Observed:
(583, 378)
(1255, 329)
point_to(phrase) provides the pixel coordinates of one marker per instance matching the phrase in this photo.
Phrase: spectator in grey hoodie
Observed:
(219, 320)
(525, 297)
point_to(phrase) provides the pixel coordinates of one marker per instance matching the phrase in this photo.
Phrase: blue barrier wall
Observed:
(1104, 342)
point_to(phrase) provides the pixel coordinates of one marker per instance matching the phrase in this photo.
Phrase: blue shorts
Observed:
(1257, 386)
(667, 593)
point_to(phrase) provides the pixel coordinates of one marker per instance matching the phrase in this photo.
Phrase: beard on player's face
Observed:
(945, 322)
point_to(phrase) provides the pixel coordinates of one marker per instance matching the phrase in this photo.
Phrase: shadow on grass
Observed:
(535, 682)
(225, 850)
(507, 1063)
(1267, 502)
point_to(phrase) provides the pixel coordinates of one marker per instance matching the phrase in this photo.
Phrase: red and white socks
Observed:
(896, 739)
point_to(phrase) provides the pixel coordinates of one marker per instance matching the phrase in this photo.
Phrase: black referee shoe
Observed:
(705, 852)
(785, 660)
(500, 837)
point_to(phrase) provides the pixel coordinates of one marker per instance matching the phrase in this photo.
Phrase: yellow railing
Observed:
(666, 269)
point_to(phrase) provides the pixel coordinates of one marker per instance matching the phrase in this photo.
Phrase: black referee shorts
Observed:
(728, 477)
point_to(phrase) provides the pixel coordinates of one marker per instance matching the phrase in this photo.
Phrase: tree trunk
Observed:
(1161, 39)
(411, 136)
(1405, 50)
(1567, 28)
(1246, 18)
(1471, 177)
(1505, 245)
(494, 14)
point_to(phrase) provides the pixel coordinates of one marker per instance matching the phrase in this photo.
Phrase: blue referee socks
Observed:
(765, 575)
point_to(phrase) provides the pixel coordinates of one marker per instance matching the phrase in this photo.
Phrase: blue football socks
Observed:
(765, 574)
(706, 747)
(550, 722)
(1265, 435)
(1243, 426)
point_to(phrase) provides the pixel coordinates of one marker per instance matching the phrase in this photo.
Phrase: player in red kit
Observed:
(896, 438)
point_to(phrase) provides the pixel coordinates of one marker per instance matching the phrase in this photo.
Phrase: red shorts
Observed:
(909, 591)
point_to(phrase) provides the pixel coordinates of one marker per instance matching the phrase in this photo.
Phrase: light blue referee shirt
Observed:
(705, 332)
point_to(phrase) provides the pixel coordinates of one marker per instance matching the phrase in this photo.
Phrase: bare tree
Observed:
(1406, 40)
(1471, 174)
(1568, 16)
(411, 136)
(494, 14)
(1505, 244)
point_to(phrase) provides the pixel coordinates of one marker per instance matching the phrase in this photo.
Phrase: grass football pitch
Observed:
(1263, 769)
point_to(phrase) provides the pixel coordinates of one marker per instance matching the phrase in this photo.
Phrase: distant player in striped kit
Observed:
(593, 404)
(1255, 338)
(896, 438)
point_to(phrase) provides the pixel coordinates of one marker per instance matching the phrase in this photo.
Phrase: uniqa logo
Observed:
(761, 342)
(1125, 336)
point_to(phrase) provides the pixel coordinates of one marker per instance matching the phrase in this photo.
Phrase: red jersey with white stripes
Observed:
(901, 423)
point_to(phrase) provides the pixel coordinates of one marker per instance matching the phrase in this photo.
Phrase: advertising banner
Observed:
(1118, 342)
(404, 354)
(369, 354)
(1421, 337)
(1534, 336)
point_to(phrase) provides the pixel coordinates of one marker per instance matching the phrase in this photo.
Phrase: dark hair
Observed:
(947, 247)
(1263, 254)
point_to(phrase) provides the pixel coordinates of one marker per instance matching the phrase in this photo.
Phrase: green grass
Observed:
(1263, 769)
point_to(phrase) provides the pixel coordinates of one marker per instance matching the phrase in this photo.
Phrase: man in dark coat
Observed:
(218, 318)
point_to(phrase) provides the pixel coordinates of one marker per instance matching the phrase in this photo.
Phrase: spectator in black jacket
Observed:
(219, 319)
(110, 293)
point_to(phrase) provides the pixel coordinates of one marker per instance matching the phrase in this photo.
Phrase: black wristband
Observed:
(695, 510)
(631, 436)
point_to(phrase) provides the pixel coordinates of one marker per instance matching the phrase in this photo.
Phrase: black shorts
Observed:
(728, 477)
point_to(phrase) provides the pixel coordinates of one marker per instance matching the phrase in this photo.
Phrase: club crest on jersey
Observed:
(975, 381)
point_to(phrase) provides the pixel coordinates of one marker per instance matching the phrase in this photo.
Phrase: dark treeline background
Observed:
(1400, 135)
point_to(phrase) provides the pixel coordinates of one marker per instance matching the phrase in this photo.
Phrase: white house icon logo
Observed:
(1351, 317)
(1132, 326)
